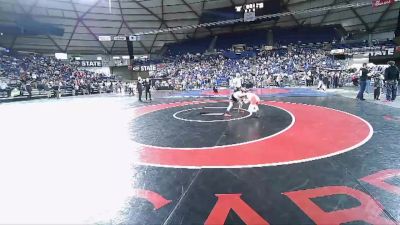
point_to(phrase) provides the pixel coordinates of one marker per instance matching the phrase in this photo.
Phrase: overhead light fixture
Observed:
(125, 57)
(77, 58)
(116, 57)
(99, 58)
(1, 34)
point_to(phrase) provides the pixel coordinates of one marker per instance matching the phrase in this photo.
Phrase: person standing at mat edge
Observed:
(378, 84)
(147, 86)
(139, 87)
(363, 82)
(237, 82)
(391, 79)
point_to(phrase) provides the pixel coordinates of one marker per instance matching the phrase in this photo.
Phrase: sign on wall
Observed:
(377, 3)
(367, 51)
(144, 68)
(388, 52)
(134, 38)
(90, 63)
(119, 38)
(104, 38)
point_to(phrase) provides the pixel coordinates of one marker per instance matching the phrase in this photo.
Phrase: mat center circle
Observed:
(204, 125)
(210, 114)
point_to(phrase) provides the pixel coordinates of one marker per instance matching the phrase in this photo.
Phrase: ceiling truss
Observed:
(84, 22)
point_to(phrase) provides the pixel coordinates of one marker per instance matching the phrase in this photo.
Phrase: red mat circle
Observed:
(317, 133)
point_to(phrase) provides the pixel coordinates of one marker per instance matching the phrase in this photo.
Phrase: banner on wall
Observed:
(89, 63)
(104, 38)
(377, 3)
(119, 38)
(144, 68)
(366, 51)
(134, 38)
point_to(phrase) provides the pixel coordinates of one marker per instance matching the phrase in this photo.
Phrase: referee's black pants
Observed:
(140, 91)
(148, 93)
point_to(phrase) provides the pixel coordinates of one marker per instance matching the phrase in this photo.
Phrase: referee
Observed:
(147, 87)
(139, 87)
(237, 82)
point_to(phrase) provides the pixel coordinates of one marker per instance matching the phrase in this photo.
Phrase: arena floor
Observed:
(310, 158)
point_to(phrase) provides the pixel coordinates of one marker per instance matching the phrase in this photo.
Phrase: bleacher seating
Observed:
(42, 75)
(305, 35)
(250, 38)
(282, 36)
(192, 46)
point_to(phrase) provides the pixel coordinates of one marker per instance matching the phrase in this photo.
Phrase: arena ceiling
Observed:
(84, 20)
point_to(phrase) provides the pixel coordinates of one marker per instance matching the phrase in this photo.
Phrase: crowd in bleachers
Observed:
(28, 74)
(304, 64)
(292, 63)
(297, 66)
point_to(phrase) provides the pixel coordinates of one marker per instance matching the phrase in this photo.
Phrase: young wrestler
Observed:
(254, 101)
(236, 97)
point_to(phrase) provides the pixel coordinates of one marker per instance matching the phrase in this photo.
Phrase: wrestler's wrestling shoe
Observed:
(227, 114)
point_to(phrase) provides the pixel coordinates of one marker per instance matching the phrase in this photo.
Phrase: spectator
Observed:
(131, 88)
(363, 82)
(321, 84)
(4, 88)
(147, 86)
(336, 80)
(28, 88)
(368, 84)
(378, 84)
(391, 79)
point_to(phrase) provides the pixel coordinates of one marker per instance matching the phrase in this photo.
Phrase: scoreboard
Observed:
(247, 11)
(250, 7)
(260, 8)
